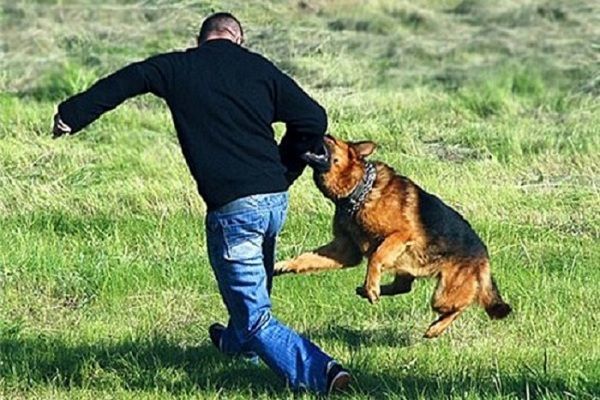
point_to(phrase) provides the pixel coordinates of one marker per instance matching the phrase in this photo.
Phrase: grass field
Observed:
(105, 288)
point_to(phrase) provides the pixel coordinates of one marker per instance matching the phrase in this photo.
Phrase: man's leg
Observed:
(268, 253)
(235, 241)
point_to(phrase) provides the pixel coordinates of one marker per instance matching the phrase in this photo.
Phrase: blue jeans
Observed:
(241, 245)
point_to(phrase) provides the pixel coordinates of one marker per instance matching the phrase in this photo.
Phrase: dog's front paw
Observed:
(371, 294)
(282, 267)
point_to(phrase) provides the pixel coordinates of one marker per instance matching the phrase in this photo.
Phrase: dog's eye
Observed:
(336, 160)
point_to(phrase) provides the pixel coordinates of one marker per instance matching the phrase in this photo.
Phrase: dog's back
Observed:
(448, 233)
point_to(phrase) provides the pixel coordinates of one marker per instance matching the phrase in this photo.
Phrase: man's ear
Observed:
(365, 148)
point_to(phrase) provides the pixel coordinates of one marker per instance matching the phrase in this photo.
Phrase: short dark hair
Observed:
(219, 22)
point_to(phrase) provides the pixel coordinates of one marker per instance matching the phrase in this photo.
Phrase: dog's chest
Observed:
(366, 240)
(368, 237)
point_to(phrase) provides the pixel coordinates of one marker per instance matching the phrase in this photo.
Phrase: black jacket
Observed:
(223, 100)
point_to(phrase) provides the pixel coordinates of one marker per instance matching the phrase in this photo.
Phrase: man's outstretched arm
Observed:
(152, 75)
(306, 124)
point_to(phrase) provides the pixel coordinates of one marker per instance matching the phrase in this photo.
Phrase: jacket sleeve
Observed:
(152, 75)
(306, 124)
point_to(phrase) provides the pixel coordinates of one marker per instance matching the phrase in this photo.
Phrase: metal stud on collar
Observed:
(351, 204)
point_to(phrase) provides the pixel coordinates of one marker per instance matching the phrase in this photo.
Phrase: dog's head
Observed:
(340, 166)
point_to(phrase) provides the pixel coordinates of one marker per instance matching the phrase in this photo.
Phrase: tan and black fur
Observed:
(403, 229)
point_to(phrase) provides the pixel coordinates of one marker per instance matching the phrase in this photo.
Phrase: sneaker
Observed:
(338, 378)
(215, 332)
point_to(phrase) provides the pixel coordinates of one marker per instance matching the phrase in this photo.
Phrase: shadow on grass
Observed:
(159, 364)
(147, 364)
(484, 385)
(356, 338)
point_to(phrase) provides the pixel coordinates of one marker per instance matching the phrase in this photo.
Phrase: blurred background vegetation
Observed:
(53, 48)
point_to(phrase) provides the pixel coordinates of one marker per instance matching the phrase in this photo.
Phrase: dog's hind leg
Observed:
(456, 289)
(340, 253)
(440, 324)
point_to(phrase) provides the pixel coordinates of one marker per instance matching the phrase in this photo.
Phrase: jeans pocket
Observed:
(243, 235)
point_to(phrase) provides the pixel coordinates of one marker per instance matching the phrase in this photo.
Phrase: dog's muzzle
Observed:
(320, 161)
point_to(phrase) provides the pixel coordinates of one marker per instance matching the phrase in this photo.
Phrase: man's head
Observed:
(221, 25)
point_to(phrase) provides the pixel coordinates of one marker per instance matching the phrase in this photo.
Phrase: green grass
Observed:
(105, 287)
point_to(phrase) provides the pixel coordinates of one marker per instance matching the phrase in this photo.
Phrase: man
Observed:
(223, 100)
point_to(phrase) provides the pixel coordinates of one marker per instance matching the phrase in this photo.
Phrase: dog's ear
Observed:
(365, 148)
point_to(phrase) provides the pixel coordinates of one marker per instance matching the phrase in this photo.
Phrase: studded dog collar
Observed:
(351, 204)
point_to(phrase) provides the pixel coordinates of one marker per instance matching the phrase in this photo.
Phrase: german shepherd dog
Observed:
(399, 227)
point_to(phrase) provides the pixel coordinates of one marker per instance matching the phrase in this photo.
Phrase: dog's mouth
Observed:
(319, 160)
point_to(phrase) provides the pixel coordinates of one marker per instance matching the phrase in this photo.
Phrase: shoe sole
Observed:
(340, 383)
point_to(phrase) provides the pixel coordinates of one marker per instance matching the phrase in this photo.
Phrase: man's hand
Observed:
(59, 128)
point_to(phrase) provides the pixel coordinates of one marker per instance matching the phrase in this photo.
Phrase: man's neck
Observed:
(224, 36)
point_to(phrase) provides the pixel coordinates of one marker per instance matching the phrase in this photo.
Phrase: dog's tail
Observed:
(489, 296)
